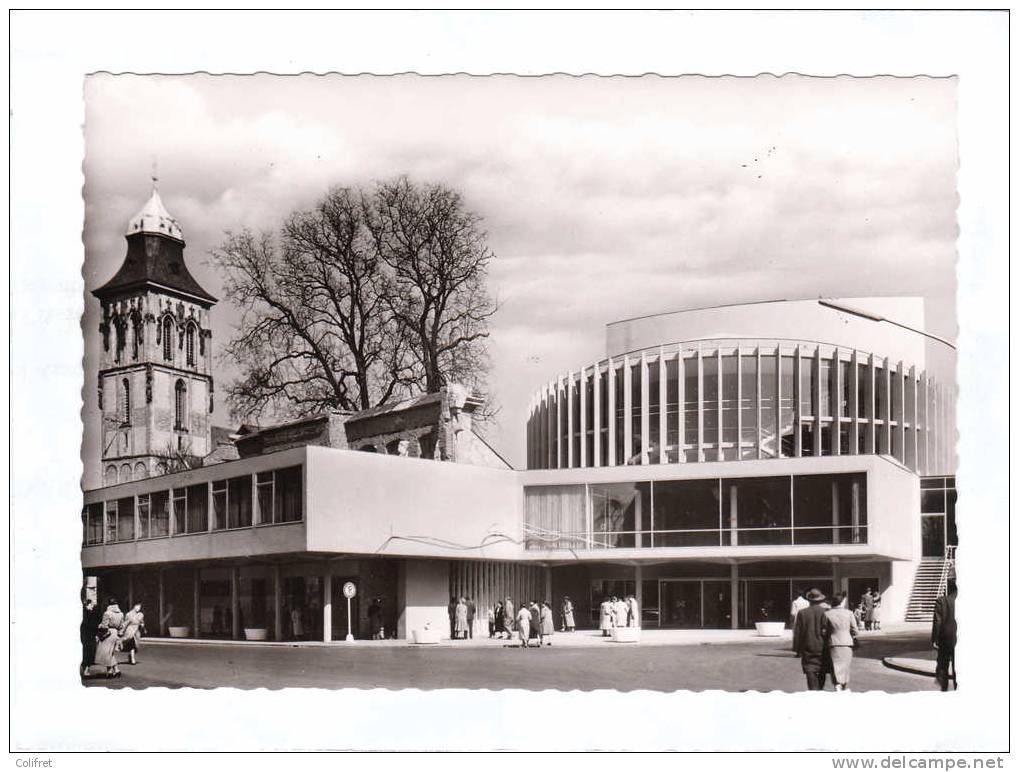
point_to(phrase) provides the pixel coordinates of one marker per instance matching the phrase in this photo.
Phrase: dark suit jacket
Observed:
(943, 631)
(808, 633)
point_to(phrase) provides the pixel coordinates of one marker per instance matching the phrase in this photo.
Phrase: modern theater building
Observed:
(714, 462)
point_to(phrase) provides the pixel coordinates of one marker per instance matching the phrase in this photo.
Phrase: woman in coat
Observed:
(500, 623)
(461, 619)
(569, 625)
(547, 625)
(605, 618)
(89, 630)
(535, 622)
(131, 632)
(524, 625)
(109, 639)
(839, 630)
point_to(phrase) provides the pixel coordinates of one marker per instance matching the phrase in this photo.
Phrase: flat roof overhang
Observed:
(824, 553)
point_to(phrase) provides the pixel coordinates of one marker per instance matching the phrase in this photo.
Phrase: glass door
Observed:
(717, 605)
(680, 603)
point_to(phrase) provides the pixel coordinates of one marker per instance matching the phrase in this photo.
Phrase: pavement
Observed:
(664, 660)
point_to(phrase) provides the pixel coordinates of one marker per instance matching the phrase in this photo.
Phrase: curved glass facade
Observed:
(732, 400)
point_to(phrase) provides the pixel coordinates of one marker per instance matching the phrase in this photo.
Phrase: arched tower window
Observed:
(189, 343)
(120, 330)
(111, 475)
(168, 339)
(125, 401)
(137, 335)
(180, 405)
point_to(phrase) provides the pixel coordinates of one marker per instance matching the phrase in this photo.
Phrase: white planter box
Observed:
(255, 633)
(770, 629)
(180, 632)
(626, 634)
(425, 636)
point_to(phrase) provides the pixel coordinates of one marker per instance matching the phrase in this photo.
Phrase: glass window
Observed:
(880, 393)
(288, 495)
(863, 390)
(672, 409)
(589, 420)
(198, 508)
(710, 363)
(111, 522)
(845, 374)
(687, 506)
(786, 418)
(143, 516)
(180, 406)
(813, 502)
(762, 507)
(620, 412)
(180, 501)
(159, 513)
(556, 517)
(219, 505)
(748, 405)
(264, 484)
(603, 425)
(574, 387)
(730, 395)
(635, 413)
(827, 386)
(654, 410)
(616, 509)
(932, 501)
(808, 404)
(95, 523)
(690, 405)
(897, 386)
(769, 440)
(239, 502)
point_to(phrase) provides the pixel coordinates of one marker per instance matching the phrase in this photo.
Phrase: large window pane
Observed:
(748, 405)
(264, 484)
(111, 522)
(730, 406)
(672, 409)
(846, 376)
(690, 406)
(589, 421)
(620, 413)
(710, 401)
(125, 519)
(198, 508)
(219, 505)
(143, 516)
(808, 405)
(932, 501)
(635, 413)
(239, 502)
(686, 505)
(769, 440)
(762, 506)
(654, 410)
(556, 517)
(159, 513)
(863, 390)
(616, 510)
(813, 504)
(574, 387)
(180, 499)
(288, 495)
(95, 523)
(788, 402)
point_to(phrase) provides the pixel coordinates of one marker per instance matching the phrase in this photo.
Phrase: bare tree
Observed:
(366, 297)
(438, 257)
(178, 457)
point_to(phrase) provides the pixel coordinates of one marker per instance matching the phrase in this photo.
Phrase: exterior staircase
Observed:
(930, 582)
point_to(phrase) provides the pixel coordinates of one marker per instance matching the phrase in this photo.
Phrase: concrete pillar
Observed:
(235, 603)
(570, 458)
(582, 380)
(548, 585)
(610, 393)
(277, 603)
(596, 395)
(627, 413)
(196, 616)
(645, 408)
(638, 585)
(836, 576)
(734, 595)
(160, 606)
(327, 606)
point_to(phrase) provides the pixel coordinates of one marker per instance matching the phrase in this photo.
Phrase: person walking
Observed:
(535, 622)
(90, 617)
(508, 617)
(605, 618)
(632, 612)
(799, 603)
(523, 621)
(569, 624)
(131, 632)
(875, 614)
(500, 624)
(868, 609)
(943, 636)
(460, 621)
(808, 640)
(840, 631)
(472, 613)
(547, 625)
(490, 615)
(618, 612)
(109, 638)
(375, 619)
(451, 609)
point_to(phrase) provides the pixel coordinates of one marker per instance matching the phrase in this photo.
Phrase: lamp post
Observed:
(878, 318)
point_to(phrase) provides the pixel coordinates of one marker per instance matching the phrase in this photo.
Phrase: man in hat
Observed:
(943, 634)
(808, 640)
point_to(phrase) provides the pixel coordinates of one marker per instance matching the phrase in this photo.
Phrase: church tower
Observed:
(155, 372)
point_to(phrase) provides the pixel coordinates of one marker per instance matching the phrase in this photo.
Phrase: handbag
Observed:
(102, 633)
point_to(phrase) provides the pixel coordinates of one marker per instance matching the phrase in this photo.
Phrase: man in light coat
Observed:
(618, 612)
(840, 630)
(508, 617)
(632, 612)
(605, 618)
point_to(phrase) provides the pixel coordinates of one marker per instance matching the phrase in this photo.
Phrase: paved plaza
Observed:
(663, 661)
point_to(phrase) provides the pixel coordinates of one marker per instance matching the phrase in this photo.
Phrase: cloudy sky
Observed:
(604, 198)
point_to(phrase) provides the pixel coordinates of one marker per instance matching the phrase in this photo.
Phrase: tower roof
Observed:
(155, 257)
(153, 218)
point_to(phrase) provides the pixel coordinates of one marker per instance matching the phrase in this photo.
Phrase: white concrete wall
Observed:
(387, 505)
(423, 595)
(795, 319)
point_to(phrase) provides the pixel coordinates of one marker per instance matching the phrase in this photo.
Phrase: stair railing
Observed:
(946, 568)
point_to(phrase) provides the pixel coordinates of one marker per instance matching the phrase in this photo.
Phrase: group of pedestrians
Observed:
(618, 612)
(824, 637)
(104, 634)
